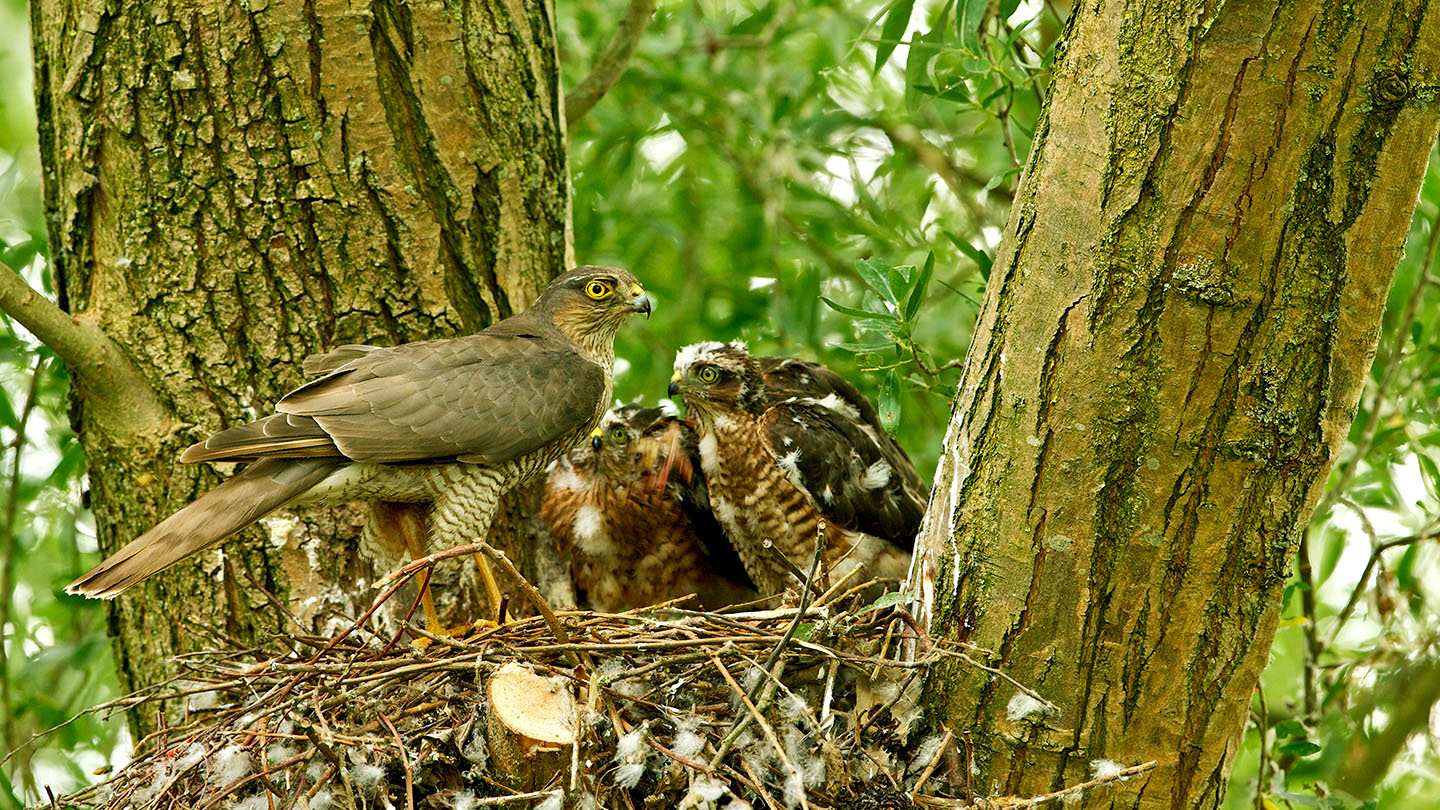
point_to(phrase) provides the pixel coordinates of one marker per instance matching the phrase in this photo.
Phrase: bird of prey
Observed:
(784, 443)
(631, 512)
(451, 424)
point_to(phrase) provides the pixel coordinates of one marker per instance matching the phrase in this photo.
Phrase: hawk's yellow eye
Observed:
(617, 434)
(598, 289)
(707, 374)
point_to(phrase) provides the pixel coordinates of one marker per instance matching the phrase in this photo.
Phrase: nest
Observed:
(810, 706)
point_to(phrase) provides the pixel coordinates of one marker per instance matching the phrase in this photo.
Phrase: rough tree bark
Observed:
(1179, 323)
(233, 186)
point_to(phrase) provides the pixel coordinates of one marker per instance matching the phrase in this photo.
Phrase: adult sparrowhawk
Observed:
(453, 424)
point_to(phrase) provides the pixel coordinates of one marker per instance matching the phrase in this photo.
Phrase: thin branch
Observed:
(1430, 532)
(1075, 790)
(612, 61)
(7, 552)
(110, 379)
(1370, 757)
(765, 729)
(1313, 648)
(1262, 724)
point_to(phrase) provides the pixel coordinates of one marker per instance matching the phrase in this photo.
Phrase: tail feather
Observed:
(243, 499)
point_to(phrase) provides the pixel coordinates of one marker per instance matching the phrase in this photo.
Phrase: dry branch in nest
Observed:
(801, 707)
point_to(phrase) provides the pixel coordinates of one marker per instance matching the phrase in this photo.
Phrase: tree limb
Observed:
(612, 61)
(117, 388)
(1369, 757)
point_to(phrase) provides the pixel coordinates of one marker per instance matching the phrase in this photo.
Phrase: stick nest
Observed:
(813, 707)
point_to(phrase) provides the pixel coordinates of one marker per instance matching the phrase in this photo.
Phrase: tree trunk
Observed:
(1178, 326)
(233, 186)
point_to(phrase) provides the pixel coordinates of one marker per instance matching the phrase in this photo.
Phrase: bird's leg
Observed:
(492, 586)
(462, 513)
(408, 521)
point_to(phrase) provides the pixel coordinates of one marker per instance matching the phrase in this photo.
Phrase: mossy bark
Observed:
(1179, 323)
(234, 185)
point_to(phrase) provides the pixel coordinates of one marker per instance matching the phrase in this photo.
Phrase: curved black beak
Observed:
(673, 389)
(641, 304)
(595, 441)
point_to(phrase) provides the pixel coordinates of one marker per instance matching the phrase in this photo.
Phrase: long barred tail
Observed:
(246, 497)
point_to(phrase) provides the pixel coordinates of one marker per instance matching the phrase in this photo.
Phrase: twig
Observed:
(934, 763)
(785, 562)
(496, 801)
(1120, 775)
(1312, 647)
(404, 761)
(1430, 532)
(538, 600)
(790, 771)
(611, 62)
(7, 556)
(1262, 724)
(806, 589)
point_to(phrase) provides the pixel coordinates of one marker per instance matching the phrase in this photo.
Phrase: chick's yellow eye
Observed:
(598, 289)
(618, 434)
(707, 374)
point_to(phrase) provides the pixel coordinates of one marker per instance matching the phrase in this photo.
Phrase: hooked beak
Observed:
(640, 302)
(674, 385)
(595, 439)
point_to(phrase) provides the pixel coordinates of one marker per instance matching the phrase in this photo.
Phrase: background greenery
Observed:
(754, 158)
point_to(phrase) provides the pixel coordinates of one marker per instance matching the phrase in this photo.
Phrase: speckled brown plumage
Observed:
(783, 444)
(629, 509)
(452, 423)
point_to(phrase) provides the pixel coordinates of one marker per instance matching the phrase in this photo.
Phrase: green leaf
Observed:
(1430, 473)
(968, 19)
(1001, 178)
(886, 600)
(1008, 7)
(1290, 728)
(980, 257)
(70, 462)
(861, 348)
(7, 413)
(889, 405)
(896, 22)
(917, 293)
(851, 311)
(1299, 748)
(955, 92)
(874, 272)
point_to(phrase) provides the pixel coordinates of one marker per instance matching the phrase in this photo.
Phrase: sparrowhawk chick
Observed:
(630, 510)
(450, 423)
(785, 442)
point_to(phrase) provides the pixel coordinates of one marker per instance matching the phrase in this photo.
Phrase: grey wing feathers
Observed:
(326, 362)
(857, 476)
(282, 435)
(483, 398)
